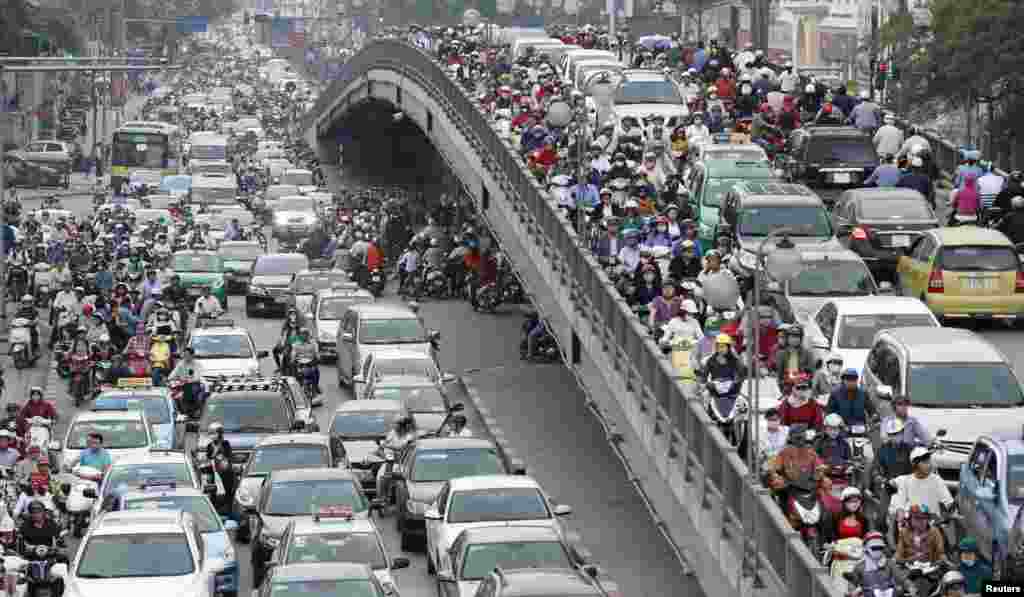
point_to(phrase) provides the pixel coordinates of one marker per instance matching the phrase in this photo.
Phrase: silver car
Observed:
(295, 217)
(369, 328)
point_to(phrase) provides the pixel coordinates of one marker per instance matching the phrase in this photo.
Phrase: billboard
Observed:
(263, 8)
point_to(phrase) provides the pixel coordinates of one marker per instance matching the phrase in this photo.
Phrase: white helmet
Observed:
(835, 357)
(865, 94)
(27, 298)
(850, 492)
(919, 453)
(809, 88)
(1017, 202)
(216, 426)
(689, 306)
(833, 420)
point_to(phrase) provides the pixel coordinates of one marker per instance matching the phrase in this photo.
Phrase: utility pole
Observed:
(3, 229)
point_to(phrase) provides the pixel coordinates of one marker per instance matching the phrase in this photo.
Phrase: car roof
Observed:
(971, 235)
(882, 193)
(945, 345)
(394, 353)
(642, 75)
(139, 522)
(108, 415)
(288, 256)
(383, 311)
(311, 526)
(169, 492)
(371, 405)
(227, 330)
(194, 252)
(719, 168)
(453, 443)
(322, 571)
(240, 243)
(312, 474)
(301, 439)
(503, 534)
(781, 200)
(152, 457)
(405, 381)
(836, 131)
(545, 581)
(326, 293)
(827, 252)
(869, 305)
(493, 482)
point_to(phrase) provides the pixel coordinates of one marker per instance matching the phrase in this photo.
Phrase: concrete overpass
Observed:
(694, 481)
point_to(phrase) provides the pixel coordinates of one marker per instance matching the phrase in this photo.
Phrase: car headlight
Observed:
(748, 259)
(245, 498)
(269, 540)
(414, 507)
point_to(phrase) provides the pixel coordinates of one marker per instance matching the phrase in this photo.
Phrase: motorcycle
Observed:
(842, 557)
(44, 575)
(20, 339)
(17, 277)
(304, 369)
(377, 282)
(546, 349)
(39, 433)
(190, 408)
(160, 357)
(435, 282)
(101, 373)
(804, 503)
(512, 292)
(620, 191)
(728, 409)
(81, 489)
(488, 299)
(80, 384)
(138, 363)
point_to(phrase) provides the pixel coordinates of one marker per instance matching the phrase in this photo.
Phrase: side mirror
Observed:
(563, 510)
(518, 467)
(348, 337)
(298, 425)
(822, 344)
(444, 577)
(885, 287)
(431, 513)
(592, 570)
(192, 427)
(181, 419)
(318, 401)
(210, 489)
(54, 446)
(230, 525)
(447, 377)
(434, 336)
(941, 433)
(457, 407)
(59, 570)
(399, 563)
(90, 493)
(262, 354)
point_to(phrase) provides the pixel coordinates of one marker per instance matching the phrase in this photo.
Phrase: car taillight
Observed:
(1020, 282)
(935, 284)
(859, 233)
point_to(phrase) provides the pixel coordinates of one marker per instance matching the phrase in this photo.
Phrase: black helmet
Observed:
(459, 420)
(405, 421)
(36, 506)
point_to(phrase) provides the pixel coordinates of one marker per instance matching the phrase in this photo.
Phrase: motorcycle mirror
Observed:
(457, 407)
(941, 433)
(89, 492)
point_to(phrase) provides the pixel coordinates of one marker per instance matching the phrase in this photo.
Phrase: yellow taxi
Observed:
(964, 272)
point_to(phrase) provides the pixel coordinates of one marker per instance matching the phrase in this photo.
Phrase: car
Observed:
(160, 552)
(709, 181)
(743, 152)
(341, 579)
(271, 277)
(879, 223)
(477, 552)
(847, 326)
(644, 92)
(828, 271)
(222, 348)
(138, 471)
(964, 272)
(356, 429)
(305, 285)
(422, 469)
(425, 399)
(387, 364)
(330, 307)
(252, 409)
(125, 434)
(295, 216)
(277, 453)
(829, 157)
(238, 257)
(156, 403)
(31, 174)
(198, 270)
(372, 327)
(200, 167)
(275, 192)
(219, 220)
(335, 535)
(536, 583)
(301, 178)
(990, 492)
(51, 152)
(288, 495)
(958, 380)
(215, 531)
(484, 500)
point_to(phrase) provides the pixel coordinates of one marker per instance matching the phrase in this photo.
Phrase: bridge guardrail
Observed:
(698, 447)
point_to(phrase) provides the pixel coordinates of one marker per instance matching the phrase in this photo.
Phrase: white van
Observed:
(569, 63)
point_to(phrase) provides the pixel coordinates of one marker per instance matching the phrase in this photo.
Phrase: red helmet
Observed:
(765, 108)
(87, 310)
(826, 109)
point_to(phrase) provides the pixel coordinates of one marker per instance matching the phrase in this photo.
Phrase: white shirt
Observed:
(788, 81)
(66, 299)
(930, 491)
(208, 306)
(888, 140)
(773, 442)
(677, 327)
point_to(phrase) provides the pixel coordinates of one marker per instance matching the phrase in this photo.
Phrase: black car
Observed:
(878, 224)
(32, 175)
(829, 157)
(271, 278)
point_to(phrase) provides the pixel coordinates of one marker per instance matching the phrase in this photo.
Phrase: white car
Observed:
(481, 501)
(125, 433)
(151, 552)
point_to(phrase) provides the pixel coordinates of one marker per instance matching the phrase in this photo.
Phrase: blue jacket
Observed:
(975, 574)
(853, 411)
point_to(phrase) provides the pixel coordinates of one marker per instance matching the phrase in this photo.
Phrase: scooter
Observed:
(160, 355)
(44, 575)
(39, 433)
(803, 501)
(138, 363)
(20, 339)
(304, 369)
(81, 377)
(727, 409)
(82, 489)
(842, 557)
(377, 282)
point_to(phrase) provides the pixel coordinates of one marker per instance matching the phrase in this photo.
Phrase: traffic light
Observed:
(882, 75)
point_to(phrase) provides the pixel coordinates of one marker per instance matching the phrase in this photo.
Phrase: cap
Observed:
(919, 453)
(851, 373)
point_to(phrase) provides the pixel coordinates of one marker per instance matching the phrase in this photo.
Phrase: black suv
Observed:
(829, 157)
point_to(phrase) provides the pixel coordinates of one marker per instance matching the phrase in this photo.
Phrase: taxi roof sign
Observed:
(338, 512)
(119, 403)
(135, 382)
(216, 323)
(159, 484)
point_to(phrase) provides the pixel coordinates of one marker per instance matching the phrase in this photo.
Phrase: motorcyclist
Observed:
(893, 457)
(850, 521)
(140, 343)
(876, 570)
(686, 264)
(921, 487)
(955, 584)
(794, 358)
(35, 407)
(828, 377)
(27, 310)
(459, 427)
(289, 335)
(913, 432)
(218, 453)
(39, 529)
(36, 488)
(94, 455)
(723, 364)
(712, 266)
(305, 347)
(800, 407)
(850, 402)
(920, 541)
(397, 439)
(1014, 187)
(973, 568)
(207, 306)
(796, 461)
(9, 454)
(832, 446)
(888, 138)
(683, 325)
(775, 435)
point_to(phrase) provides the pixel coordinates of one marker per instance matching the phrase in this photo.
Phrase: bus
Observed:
(148, 150)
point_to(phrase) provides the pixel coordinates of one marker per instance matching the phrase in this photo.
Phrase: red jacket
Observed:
(35, 408)
(810, 414)
(488, 270)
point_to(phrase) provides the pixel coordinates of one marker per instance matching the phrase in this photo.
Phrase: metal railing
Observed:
(709, 462)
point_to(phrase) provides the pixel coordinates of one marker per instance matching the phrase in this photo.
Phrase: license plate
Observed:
(979, 283)
(900, 240)
(841, 178)
(195, 291)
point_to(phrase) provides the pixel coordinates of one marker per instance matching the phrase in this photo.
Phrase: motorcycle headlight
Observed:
(414, 507)
(748, 259)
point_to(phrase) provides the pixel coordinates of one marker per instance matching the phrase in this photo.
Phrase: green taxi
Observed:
(708, 182)
(201, 269)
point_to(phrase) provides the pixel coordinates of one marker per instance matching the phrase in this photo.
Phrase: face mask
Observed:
(852, 505)
(832, 432)
(834, 368)
(663, 229)
(648, 277)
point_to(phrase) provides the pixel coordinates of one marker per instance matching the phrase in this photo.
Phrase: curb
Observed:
(51, 382)
(490, 425)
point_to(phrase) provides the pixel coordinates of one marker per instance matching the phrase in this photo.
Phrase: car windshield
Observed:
(157, 409)
(280, 266)
(116, 434)
(739, 154)
(979, 259)
(833, 278)
(191, 262)
(896, 209)
(431, 466)
(240, 252)
(421, 367)
(360, 587)
(136, 556)
(198, 506)
(296, 204)
(832, 150)
(857, 332)
(804, 221)
(365, 424)
(1015, 479)
(963, 385)
(300, 498)
(480, 560)
(487, 505)
(242, 414)
(416, 398)
(221, 346)
(333, 309)
(400, 330)
(716, 188)
(299, 179)
(127, 477)
(358, 548)
(267, 459)
(660, 91)
(309, 284)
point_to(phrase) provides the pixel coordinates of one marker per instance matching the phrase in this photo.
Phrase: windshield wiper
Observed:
(253, 429)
